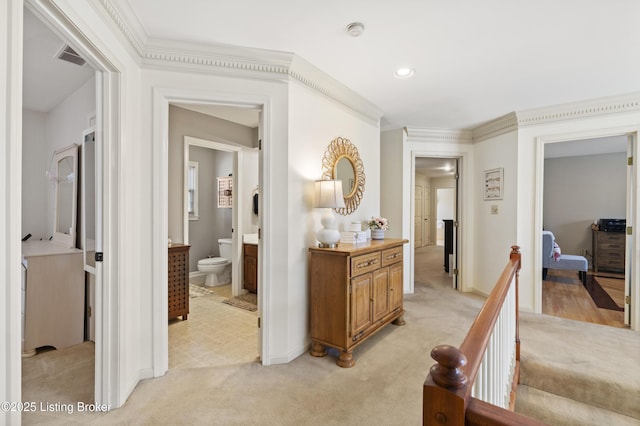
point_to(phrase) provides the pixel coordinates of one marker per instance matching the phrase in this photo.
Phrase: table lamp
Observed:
(328, 195)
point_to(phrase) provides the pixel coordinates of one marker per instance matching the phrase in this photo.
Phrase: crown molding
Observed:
(496, 127)
(223, 59)
(578, 110)
(416, 134)
(127, 23)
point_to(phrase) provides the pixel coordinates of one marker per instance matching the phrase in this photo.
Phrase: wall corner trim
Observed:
(496, 127)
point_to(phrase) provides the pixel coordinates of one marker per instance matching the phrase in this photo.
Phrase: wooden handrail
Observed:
(475, 344)
(447, 396)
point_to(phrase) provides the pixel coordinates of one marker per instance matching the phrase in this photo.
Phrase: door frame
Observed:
(632, 277)
(462, 260)
(162, 98)
(108, 77)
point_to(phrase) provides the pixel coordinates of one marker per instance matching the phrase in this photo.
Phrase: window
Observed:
(192, 190)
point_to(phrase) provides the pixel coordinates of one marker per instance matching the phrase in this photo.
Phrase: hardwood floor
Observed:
(564, 296)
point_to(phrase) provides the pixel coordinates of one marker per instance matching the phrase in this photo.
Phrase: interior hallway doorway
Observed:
(436, 205)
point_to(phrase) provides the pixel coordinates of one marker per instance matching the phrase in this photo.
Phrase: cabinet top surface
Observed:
(45, 248)
(178, 246)
(362, 248)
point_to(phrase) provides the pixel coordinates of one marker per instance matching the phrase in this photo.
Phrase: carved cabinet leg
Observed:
(399, 321)
(346, 360)
(317, 349)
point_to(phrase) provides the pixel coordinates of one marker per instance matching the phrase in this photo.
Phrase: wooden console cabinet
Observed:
(250, 264)
(355, 291)
(608, 251)
(178, 280)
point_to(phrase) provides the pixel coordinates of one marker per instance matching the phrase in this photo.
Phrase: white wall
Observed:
(494, 234)
(183, 123)
(314, 121)
(579, 190)
(44, 133)
(391, 181)
(36, 219)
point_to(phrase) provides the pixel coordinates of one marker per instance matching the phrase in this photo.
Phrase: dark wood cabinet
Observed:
(448, 242)
(355, 291)
(608, 251)
(178, 273)
(250, 271)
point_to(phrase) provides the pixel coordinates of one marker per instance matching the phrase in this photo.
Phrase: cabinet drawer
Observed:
(610, 248)
(391, 256)
(365, 263)
(251, 250)
(611, 238)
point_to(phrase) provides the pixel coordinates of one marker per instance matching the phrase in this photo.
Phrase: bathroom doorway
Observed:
(63, 110)
(214, 206)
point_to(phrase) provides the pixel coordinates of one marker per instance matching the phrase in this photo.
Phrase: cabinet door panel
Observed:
(395, 286)
(360, 304)
(380, 293)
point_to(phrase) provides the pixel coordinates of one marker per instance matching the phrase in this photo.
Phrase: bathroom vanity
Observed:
(53, 295)
(250, 267)
(356, 289)
(178, 285)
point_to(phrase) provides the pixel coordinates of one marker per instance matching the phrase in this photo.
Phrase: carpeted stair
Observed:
(579, 374)
(557, 410)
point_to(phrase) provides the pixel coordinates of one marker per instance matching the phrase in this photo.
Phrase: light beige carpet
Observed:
(384, 387)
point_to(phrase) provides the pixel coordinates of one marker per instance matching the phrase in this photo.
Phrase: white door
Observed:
(427, 216)
(418, 215)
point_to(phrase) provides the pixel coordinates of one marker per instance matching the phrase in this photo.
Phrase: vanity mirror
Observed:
(342, 162)
(66, 195)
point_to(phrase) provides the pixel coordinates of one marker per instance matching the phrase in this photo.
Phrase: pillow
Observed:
(556, 251)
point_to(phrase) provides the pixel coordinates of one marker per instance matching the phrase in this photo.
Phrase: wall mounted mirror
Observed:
(66, 192)
(342, 161)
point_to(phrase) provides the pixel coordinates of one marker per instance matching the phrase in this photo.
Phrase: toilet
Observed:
(218, 269)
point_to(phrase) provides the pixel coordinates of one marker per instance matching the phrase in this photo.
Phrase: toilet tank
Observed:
(225, 248)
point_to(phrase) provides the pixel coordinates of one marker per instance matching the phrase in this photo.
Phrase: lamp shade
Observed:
(328, 194)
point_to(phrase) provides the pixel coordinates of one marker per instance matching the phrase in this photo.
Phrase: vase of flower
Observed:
(377, 234)
(378, 225)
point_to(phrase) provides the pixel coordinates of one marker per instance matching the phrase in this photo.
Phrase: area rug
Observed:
(248, 302)
(198, 290)
(600, 297)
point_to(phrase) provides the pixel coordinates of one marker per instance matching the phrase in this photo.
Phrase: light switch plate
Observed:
(494, 209)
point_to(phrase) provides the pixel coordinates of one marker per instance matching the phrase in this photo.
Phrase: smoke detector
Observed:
(66, 53)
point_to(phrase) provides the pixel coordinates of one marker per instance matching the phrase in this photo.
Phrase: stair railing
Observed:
(476, 384)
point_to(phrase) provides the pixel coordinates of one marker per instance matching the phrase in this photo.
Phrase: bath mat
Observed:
(198, 290)
(248, 302)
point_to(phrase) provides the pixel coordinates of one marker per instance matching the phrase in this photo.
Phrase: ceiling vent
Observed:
(66, 53)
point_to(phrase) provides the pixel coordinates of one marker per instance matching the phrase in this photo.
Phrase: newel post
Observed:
(442, 403)
(516, 255)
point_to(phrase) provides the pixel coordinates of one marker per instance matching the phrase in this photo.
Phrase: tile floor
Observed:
(214, 334)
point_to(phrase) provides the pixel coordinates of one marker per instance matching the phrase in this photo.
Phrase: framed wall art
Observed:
(494, 184)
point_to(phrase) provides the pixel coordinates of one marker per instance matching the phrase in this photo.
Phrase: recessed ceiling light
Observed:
(404, 72)
(355, 29)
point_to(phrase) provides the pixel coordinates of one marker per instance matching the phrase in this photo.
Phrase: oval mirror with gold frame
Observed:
(342, 161)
